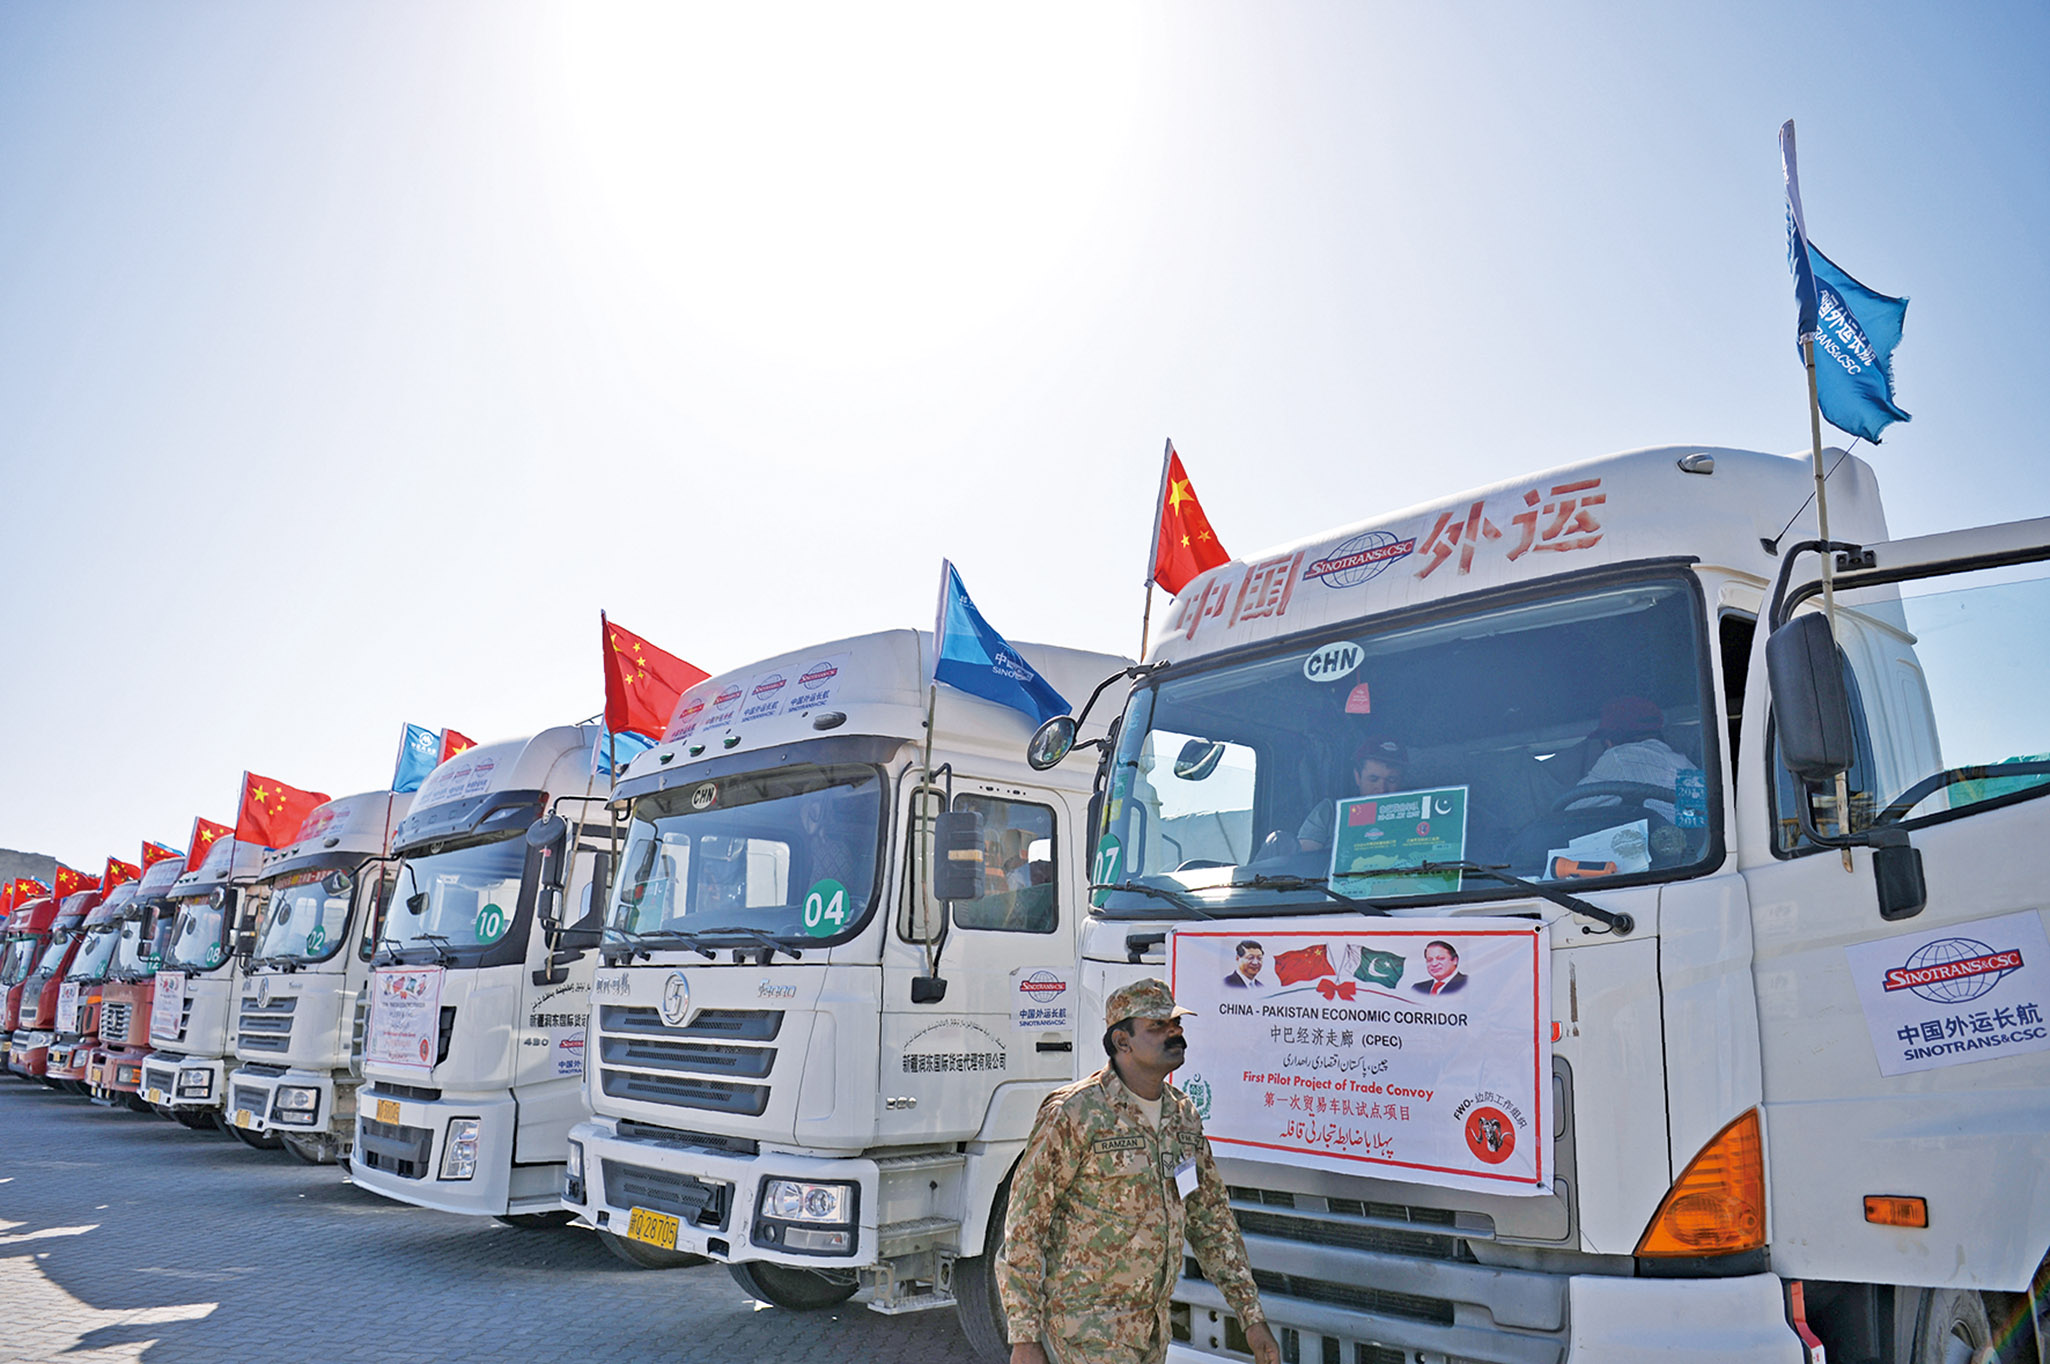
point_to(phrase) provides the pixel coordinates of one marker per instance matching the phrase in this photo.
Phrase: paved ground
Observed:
(126, 1237)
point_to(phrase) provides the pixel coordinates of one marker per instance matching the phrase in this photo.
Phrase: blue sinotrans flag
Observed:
(419, 752)
(971, 657)
(1854, 329)
(620, 747)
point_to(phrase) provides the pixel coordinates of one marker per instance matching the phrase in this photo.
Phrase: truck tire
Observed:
(196, 1119)
(642, 1256)
(795, 1290)
(261, 1141)
(1950, 1327)
(977, 1303)
(136, 1103)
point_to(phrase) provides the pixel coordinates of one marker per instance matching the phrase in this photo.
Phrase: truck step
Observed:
(915, 1234)
(915, 1302)
(888, 1166)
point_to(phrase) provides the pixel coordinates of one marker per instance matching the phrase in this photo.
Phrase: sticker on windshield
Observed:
(214, 954)
(490, 924)
(1380, 834)
(317, 939)
(1333, 661)
(825, 909)
(1108, 866)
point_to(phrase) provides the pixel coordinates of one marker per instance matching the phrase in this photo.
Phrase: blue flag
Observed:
(621, 745)
(1854, 330)
(971, 657)
(419, 754)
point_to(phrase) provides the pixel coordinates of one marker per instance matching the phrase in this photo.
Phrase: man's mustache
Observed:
(1177, 1042)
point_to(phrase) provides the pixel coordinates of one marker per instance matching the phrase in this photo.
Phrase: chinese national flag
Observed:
(641, 682)
(119, 873)
(453, 743)
(22, 890)
(272, 811)
(69, 882)
(1185, 544)
(204, 833)
(153, 853)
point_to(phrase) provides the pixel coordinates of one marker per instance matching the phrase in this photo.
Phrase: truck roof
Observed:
(159, 877)
(875, 683)
(33, 916)
(361, 825)
(458, 796)
(1733, 510)
(228, 860)
(108, 910)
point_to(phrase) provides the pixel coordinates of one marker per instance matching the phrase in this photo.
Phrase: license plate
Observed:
(243, 1118)
(653, 1228)
(155, 1096)
(388, 1111)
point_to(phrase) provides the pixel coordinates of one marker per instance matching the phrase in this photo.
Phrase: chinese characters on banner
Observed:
(405, 1018)
(1555, 518)
(1359, 1048)
(1952, 995)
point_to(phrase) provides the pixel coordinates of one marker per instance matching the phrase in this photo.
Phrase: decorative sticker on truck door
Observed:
(1953, 995)
(405, 1018)
(1417, 1048)
(1042, 997)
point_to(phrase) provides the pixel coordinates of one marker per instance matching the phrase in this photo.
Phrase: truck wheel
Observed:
(797, 1290)
(136, 1103)
(977, 1303)
(261, 1141)
(309, 1152)
(536, 1221)
(1951, 1327)
(642, 1256)
(197, 1119)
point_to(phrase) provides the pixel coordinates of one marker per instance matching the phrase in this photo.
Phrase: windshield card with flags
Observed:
(272, 812)
(970, 656)
(1412, 1049)
(1854, 329)
(1183, 543)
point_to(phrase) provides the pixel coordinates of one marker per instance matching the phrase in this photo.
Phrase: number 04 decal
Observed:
(825, 909)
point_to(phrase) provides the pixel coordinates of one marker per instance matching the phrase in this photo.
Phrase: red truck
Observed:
(27, 934)
(35, 1023)
(115, 1071)
(76, 1031)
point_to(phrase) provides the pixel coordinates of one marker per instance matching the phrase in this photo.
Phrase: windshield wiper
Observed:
(638, 942)
(769, 944)
(1620, 923)
(437, 943)
(1317, 883)
(1172, 897)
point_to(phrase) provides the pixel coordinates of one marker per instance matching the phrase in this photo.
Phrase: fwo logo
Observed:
(1953, 970)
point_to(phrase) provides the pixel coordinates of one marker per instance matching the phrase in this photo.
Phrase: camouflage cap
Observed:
(1142, 999)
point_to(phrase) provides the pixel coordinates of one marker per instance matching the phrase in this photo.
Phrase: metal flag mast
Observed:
(1153, 549)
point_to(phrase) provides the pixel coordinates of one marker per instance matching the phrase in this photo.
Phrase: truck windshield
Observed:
(790, 853)
(19, 957)
(467, 897)
(93, 958)
(1563, 739)
(134, 954)
(53, 955)
(307, 921)
(199, 941)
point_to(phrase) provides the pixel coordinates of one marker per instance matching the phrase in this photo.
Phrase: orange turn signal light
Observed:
(1897, 1210)
(1717, 1205)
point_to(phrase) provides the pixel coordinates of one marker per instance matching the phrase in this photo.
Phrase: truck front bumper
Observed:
(118, 1070)
(29, 1053)
(296, 1102)
(402, 1150)
(170, 1080)
(1609, 1320)
(70, 1054)
(715, 1199)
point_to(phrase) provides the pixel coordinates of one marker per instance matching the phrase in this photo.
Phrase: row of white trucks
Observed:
(1735, 1060)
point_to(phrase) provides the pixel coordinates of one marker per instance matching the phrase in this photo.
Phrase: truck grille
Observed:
(694, 1200)
(114, 1020)
(702, 1065)
(398, 1150)
(249, 1097)
(267, 1027)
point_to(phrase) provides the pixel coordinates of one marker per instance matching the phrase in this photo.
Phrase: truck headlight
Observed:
(297, 1104)
(459, 1153)
(127, 1075)
(195, 1084)
(809, 1219)
(576, 1160)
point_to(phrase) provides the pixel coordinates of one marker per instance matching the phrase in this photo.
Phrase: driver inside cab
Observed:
(1377, 769)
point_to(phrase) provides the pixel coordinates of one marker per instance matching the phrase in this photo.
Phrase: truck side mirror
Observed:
(957, 855)
(1811, 706)
(550, 837)
(1198, 759)
(1050, 743)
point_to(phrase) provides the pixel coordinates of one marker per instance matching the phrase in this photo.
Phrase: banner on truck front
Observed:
(1414, 1049)
(405, 1018)
(167, 1009)
(67, 1008)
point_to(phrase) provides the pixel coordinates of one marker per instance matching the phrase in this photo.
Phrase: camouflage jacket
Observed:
(1093, 1239)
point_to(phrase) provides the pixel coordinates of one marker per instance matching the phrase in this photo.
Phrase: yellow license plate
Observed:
(653, 1228)
(155, 1096)
(243, 1118)
(388, 1111)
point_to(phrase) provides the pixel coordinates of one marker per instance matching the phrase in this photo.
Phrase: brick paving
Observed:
(126, 1237)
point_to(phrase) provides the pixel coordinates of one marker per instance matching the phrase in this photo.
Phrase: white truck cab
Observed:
(802, 1065)
(1789, 1090)
(192, 1018)
(473, 1050)
(299, 1043)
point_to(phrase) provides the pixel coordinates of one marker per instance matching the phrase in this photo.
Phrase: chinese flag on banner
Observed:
(69, 882)
(272, 811)
(1184, 545)
(119, 873)
(204, 833)
(641, 682)
(453, 743)
(153, 853)
(1305, 963)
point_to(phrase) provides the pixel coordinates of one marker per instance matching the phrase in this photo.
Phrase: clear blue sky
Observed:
(352, 357)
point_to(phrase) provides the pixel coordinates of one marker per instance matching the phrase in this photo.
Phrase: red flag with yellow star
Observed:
(119, 873)
(1183, 543)
(641, 682)
(153, 853)
(204, 834)
(20, 891)
(453, 743)
(272, 811)
(68, 882)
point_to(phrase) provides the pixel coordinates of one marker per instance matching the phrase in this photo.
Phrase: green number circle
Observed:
(317, 939)
(1109, 867)
(825, 909)
(490, 924)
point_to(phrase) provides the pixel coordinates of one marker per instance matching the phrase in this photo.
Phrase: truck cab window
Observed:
(1018, 867)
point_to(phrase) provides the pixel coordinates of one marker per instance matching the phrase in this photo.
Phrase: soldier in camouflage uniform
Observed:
(1103, 1199)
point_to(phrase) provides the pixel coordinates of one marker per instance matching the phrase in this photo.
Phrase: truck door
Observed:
(1009, 962)
(1908, 1057)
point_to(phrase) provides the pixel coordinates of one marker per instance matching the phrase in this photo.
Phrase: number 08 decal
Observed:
(825, 909)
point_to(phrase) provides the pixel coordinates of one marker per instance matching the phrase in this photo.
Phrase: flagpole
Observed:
(1843, 789)
(1153, 549)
